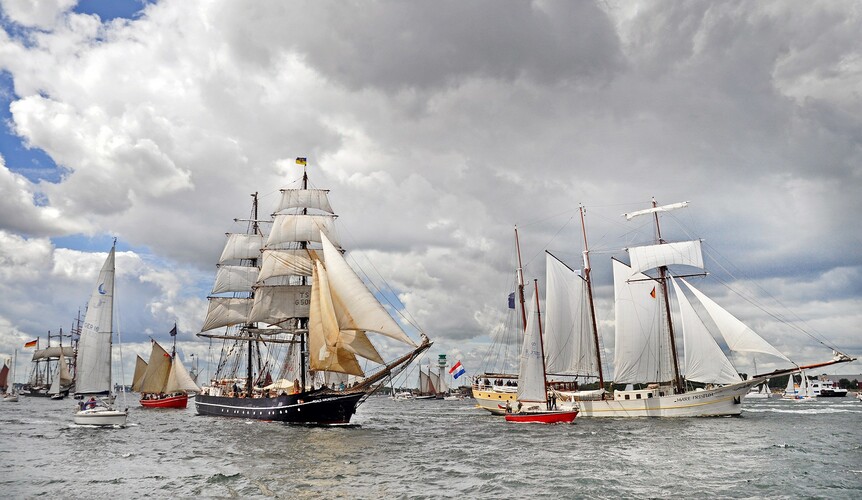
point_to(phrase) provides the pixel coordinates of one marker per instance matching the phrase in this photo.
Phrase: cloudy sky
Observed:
(438, 127)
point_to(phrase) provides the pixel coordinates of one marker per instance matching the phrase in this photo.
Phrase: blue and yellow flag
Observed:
(301, 161)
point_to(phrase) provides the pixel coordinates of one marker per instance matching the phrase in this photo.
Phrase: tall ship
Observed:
(163, 381)
(650, 293)
(52, 371)
(290, 304)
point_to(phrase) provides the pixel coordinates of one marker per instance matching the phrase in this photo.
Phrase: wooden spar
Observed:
(249, 338)
(588, 279)
(541, 342)
(777, 373)
(663, 281)
(520, 281)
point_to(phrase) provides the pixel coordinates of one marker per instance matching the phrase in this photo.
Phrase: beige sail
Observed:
(290, 228)
(158, 369)
(323, 331)
(140, 370)
(234, 279)
(317, 199)
(358, 308)
(291, 262)
(226, 311)
(241, 246)
(275, 304)
(179, 379)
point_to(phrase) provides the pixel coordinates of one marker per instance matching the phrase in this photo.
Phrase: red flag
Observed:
(652, 293)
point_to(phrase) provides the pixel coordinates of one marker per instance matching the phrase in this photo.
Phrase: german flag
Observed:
(301, 161)
(32, 343)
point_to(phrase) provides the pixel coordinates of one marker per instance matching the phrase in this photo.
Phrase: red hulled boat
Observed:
(175, 401)
(544, 417)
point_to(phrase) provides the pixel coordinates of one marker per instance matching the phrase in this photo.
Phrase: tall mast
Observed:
(663, 282)
(588, 279)
(541, 341)
(303, 336)
(255, 229)
(520, 281)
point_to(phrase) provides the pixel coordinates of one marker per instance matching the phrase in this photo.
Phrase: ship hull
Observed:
(180, 401)
(313, 408)
(723, 401)
(101, 416)
(549, 417)
(492, 400)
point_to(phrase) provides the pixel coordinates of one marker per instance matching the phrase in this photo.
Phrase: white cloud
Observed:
(438, 129)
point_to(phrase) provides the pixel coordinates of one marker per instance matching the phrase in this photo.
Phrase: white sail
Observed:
(226, 311)
(317, 199)
(647, 257)
(179, 379)
(641, 353)
(241, 246)
(235, 279)
(531, 375)
(158, 369)
(275, 304)
(569, 342)
(704, 360)
(435, 381)
(738, 335)
(290, 262)
(93, 362)
(62, 377)
(356, 306)
(291, 228)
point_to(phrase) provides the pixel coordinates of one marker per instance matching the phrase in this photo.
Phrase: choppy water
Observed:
(435, 449)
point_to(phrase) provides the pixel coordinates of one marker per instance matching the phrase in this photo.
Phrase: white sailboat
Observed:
(797, 392)
(646, 351)
(93, 361)
(533, 404)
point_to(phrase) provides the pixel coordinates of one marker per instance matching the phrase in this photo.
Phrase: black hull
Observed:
(313, 408)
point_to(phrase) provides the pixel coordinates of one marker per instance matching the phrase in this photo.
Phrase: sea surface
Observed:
(434, 449)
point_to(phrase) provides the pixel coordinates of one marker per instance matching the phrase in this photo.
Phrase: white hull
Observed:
(13, 398)
(702, 403)
(101, 416)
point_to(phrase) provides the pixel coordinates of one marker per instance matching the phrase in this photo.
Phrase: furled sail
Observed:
(93, 362)
(641, 354)
(293, 228)
(738, 335)
(290, 262)
(647, 257)
(235, 279)
(317, 199)
(531, 375)
(226, 311)
(569, 345)
(704, 360)
(158, 369)
(138, 377)
(53, 352)
(241, 246)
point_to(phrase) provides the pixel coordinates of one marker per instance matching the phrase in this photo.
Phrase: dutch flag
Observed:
(457, 370)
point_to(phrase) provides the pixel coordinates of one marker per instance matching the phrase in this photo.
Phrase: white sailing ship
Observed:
(93, 362)
(646, 358)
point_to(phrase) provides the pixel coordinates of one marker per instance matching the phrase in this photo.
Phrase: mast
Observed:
(303, 337)
(541, 341)
(663, 282)
(520, 281)
(255, 229)
(588, 279)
